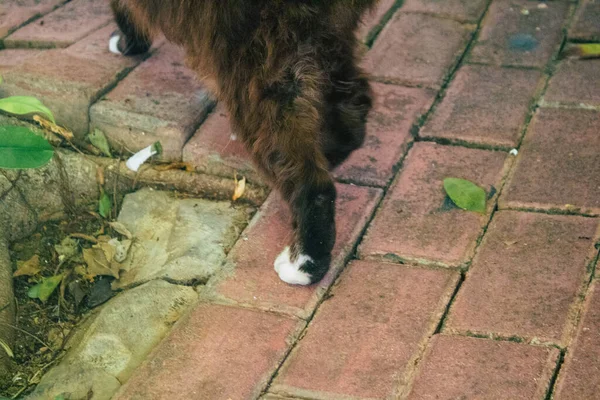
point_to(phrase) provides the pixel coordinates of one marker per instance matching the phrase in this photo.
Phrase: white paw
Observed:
(113, 44)
(288, 271)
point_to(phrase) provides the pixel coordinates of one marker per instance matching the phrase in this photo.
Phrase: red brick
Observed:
(212, 150)
(417, 49)
(470, 368)
(558, 166)
(15, 13)
(575, 82)
(395, 110)
(414, 224)
(579, 376)
(364, 336)
(254, 282)
(526, 277)
(215, 353)
(461, 10)
(485, 105)
(512, 36)
(68, 81)
(374, 18)
(161, 100)
(63, 26)
(585, 25)
(13, 57)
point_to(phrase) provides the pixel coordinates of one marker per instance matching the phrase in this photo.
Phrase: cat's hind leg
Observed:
(130, 39)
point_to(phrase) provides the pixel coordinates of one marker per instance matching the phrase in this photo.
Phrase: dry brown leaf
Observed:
(99, 260)
(52, 127)
(28, 268)
(100, 176)
(122, 229)
(240, 187)
(186, 166)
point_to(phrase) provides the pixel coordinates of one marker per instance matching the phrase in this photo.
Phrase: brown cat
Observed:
(287, 72)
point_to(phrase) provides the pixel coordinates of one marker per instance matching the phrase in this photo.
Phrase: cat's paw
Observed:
(113, 42)
(289, 271)
(120, 44)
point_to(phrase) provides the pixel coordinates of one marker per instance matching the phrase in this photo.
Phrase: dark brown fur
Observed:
(288, 74)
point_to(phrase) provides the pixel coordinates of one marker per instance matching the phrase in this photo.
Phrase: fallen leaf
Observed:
(67, 248)
(45, 288)
(511, 242)
(100, 260)
(28, 268)
(77, 290)
(6, 348)
(186, 166)
(98, 139)
(100, 176)
(240, 187)
(104, 204)
(465, 194)
(100, 292)
(581, 50)
(120, 228)
(52, 127)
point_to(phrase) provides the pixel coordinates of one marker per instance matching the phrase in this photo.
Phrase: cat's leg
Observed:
(130, 39)
(282, 130)
(348, 104)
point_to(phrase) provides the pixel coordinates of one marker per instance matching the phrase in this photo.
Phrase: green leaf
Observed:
(21, 148)
(104, 204)
(7, 349)
(24, 105)
(45, 288)
(581, 50)
(34, 291)
(465, 194)
(98, 139)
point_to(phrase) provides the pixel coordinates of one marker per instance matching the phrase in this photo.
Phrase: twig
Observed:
(27, 333)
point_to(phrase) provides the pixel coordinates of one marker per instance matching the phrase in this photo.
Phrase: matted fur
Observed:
(287, 72)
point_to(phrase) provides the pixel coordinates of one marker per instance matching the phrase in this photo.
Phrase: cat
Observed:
(287, 72)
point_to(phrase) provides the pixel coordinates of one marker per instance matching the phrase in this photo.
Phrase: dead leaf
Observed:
(186, 166)
(67, 248)
(52, 127)
(510, 242)
(122, 229)
(240, 187)
(28, 268)
(100, 176)
(100, 260)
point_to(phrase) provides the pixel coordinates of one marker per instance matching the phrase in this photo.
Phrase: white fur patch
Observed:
(288, 271)
(113, 44)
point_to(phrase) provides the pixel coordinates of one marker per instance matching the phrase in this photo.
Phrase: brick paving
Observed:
(423, 301)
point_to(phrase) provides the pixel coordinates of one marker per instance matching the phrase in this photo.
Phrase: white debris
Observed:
(136, 160)
(514, 152)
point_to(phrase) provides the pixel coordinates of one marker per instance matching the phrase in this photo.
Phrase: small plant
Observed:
(20, 147)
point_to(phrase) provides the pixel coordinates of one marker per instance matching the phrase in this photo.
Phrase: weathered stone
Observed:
(185, 240)
(107, 349)
(17, 220)
(66, 182)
